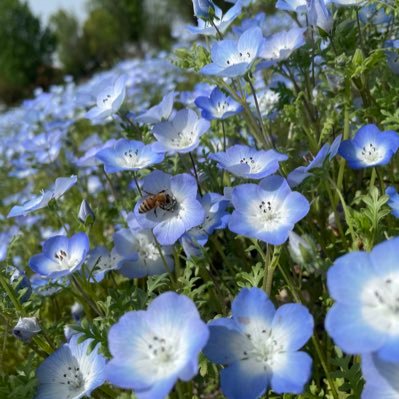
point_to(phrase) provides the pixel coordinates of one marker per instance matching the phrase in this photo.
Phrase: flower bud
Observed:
(26, 328)
(86, 214)
(299, 248)
(77, 311)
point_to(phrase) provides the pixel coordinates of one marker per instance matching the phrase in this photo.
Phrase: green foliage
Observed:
(26, 50)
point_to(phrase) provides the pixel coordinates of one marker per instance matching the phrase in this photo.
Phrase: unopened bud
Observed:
(86, 214)
(77, 311)
(26, 328)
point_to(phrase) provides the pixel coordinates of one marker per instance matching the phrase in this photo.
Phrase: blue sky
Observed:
(44, 8)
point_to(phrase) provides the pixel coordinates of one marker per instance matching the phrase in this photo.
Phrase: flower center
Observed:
(221, 108)
(73, 378)
(161, 352)
(131, 157)
(183, 139)
(380, 299)
(370, 154)
(269, 214)
(64, 261)
(238, 58)
(254, 167)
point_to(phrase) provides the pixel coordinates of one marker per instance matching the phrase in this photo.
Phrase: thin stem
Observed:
(110, 184)
(360, 32)
(224, 135)
(268, 139)
(195, 174)
(217, 29)
(372, 179)
(137, 184)
(86, 297)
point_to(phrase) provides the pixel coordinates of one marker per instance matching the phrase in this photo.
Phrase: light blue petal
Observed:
(384, 257)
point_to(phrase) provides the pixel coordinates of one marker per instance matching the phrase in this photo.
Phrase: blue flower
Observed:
(298, 175)
(180, 134)
(221, 21)
(159, 112)
(281, 45)
(381, 378)
(232, 58)
(319, 15)
(218, 105)
(247, 162)
(139, 253)
(128, 155)
(370, 147)
(70, 372)
(259, 346)
(61, 256)
(203, 8)
(61, 185)
(393, 202)
(392, 54)
(267, 211)
(170, 221)
(365, 287)
(370, 14)
(152, 349)
(216, 217)
(109, 100)
(99, 261)
(291, 5)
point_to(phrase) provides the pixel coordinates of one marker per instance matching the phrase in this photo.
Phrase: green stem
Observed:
(137, 184)
(195, 173)
(224, 136)
(372, 179)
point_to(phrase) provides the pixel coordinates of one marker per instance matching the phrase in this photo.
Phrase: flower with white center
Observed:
(61, 256)
(267, 211)
(393, 202)
(128, 155)
(152, 349)
(233, 58)
(181, 133)
(267, 100)
(100, 261)
(61, 185)
(365, 315)
(139, 253)
(259, 346)
(281, 45)
(298, 175)
(109, 100)
(159, 112)
(247, 162)
(169, 221)
(70, 372)
(369, 147)
(216, 217)
(382, 378)
(221, 21)
(218, 105)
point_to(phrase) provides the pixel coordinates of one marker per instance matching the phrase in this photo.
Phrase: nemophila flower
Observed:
(348, 2)
(128, 155)
(247, 162)
(259, 346)
(232, 58)
(393, 202)
(221, 21)
(365, 315)
(159, 112)
(100, 261)
(369, 147)
(175, 212)
(77, 312)
(70, 372)
(392, 54)
(216, 217)
(140, 255)
(218, 105)
(203, 8)
(61, 256)
(291, 5)
(109, 100)
(26, 328)
(382, 378)
(181, 133)
(298, 175)
(267, 211)
(61, 185)
(152, 349)
(86, 213)
(319, 15)
(281, 45)
(370, 14)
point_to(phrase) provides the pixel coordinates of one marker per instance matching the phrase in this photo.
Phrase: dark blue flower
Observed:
(369, 147)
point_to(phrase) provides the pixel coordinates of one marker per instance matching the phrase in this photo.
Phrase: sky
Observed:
(45, 8)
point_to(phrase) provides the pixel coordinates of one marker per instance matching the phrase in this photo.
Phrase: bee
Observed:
(161, 200)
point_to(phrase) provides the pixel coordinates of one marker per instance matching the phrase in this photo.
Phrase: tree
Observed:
(25, 50)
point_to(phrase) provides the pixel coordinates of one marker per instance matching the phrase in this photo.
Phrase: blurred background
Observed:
(41, 41)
